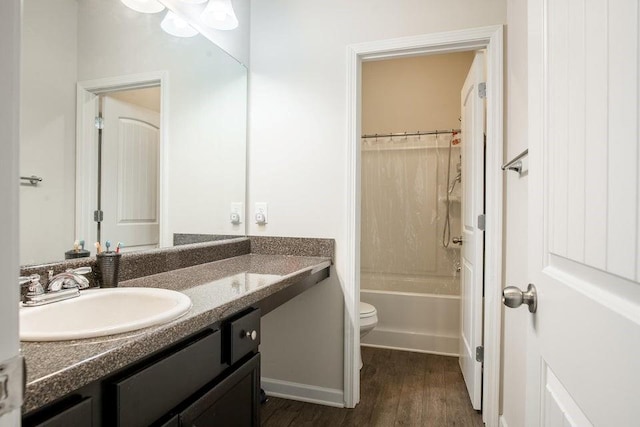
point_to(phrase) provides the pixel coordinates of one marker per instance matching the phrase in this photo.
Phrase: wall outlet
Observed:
(261, 213)
(236, 214)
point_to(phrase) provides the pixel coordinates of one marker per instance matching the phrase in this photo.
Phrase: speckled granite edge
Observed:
(52, 387)
(189, 238)
(146, 263)
(296, 246)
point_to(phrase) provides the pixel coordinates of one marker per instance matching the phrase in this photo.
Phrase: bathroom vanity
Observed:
(200, 369)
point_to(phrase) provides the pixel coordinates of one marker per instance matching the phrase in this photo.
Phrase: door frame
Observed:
(87, 154)
(491, 39)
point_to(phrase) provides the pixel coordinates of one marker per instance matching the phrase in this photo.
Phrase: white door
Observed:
(130, 179)
(584, 340)
(472, 110)
(10, 24)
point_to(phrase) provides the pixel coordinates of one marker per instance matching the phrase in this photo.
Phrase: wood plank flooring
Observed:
(397, 388)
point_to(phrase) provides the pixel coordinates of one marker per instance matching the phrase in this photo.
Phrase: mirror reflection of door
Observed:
(129, 168)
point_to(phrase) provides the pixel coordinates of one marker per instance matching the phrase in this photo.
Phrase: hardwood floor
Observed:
(397, 388)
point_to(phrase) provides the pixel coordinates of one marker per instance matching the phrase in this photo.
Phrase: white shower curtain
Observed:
(404, 187)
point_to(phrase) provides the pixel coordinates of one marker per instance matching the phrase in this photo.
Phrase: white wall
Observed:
(516, 218)
(297, 152)
(9, 138)
(48, 129)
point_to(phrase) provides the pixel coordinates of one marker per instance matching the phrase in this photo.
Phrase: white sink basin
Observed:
(100, 312)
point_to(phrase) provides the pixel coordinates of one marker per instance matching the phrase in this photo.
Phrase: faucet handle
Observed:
(80, 270)
(35, 287)
(28, 279)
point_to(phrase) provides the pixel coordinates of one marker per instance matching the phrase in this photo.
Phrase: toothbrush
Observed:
(98, 248)
(108, 245)
(118, 247)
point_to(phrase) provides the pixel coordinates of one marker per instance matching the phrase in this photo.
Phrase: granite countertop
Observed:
(217, 289)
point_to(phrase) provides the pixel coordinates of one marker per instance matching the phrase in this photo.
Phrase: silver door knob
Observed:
(457, 240)
(513, 297)
(253, 335)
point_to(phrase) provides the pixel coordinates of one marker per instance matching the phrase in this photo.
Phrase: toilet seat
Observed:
(367, 310)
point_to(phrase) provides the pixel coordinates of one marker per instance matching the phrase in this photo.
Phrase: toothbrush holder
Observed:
(108, 268)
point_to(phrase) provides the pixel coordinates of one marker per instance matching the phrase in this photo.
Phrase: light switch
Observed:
(261, 213)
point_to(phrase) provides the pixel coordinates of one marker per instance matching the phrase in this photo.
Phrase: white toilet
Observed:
(368, 321)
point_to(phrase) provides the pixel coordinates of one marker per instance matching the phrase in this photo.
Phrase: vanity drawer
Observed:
(243, 335)
(146, 395)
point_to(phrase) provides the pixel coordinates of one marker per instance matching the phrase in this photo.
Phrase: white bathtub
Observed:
(427, 323)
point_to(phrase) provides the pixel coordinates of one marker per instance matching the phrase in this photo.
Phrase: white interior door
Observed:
(10, 25)
(473, 123)
(130, 178)
(584, 340)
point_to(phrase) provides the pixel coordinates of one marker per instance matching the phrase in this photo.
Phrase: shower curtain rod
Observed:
(418, 133)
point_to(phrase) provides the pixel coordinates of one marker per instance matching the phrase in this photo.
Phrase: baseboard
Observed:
(412, 341)
(303, 392)
(502, 421)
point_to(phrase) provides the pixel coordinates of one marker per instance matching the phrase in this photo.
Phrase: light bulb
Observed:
(144, 6)
(219, 14)
(177, 26)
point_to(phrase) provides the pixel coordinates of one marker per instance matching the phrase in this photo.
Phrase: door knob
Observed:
(513, 297)
(457, 240)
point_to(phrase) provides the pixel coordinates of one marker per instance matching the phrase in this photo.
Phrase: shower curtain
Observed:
(404, 186)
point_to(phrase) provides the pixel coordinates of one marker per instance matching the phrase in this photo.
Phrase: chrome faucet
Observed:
(69, 279)
(60, 287)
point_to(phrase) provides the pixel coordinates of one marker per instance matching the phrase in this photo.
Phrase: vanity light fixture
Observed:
(219, 14)
(144, 6)
(177, 26)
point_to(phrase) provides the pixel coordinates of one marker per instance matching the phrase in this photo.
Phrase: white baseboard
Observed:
(503, 423)
(412, 341)
(303, 392)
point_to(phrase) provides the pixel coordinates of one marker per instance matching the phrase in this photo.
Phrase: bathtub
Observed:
(421, 322)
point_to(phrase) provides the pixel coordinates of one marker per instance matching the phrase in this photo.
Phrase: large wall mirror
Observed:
(137, 135)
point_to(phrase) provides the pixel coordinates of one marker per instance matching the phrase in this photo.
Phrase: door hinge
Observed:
(482, 90)
(11, 384)
(98, 216)
(481, 222)
(480, 354)
(99, 123)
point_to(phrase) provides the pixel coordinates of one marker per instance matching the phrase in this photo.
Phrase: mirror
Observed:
(170, 158)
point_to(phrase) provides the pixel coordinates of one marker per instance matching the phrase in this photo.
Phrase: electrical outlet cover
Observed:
(261, 213)
(237, 208)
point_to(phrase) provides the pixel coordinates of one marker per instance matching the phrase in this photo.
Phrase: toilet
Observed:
(368, 321)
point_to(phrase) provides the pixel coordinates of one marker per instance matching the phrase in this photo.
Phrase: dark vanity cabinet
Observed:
(209, 379)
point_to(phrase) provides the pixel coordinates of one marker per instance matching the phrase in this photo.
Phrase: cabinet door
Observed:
(151, 392)
(234, 402)
(78, 415)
